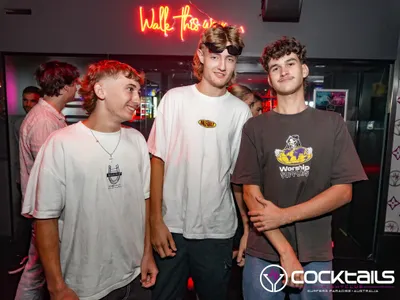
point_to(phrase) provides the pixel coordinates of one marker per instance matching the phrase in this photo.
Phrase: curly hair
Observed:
(53, 76)
(100, 70)
(220, 36)
(282, 47)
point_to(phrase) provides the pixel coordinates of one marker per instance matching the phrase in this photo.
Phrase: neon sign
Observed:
(165, 22)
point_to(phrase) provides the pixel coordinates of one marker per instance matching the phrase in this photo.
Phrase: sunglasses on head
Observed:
(232, 50)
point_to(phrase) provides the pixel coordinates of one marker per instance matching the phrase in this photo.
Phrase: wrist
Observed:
(156, 218)
(286, 252)
(288, 215)
(56, 286)
(246, 227)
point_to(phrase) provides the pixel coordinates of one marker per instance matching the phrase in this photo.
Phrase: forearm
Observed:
(238, 191)
(277, 239)
(156, 188)
(325, 202)
(147, 243)
(47, 242)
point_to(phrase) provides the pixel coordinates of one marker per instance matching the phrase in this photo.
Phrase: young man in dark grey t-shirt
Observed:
(297, 164)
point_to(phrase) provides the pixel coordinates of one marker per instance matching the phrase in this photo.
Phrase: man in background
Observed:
(58, 81)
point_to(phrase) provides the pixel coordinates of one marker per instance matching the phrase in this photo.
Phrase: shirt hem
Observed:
(275, 258)
(45, 215)
(114, 287)
(201, 236)
(349, 180)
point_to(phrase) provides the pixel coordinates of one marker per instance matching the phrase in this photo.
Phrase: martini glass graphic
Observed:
(272, 275)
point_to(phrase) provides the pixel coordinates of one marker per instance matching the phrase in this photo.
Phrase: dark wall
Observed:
(355, 29)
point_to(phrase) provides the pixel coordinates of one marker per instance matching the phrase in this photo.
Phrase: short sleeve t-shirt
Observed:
(294, 158)
(99, 203)
(198, 138)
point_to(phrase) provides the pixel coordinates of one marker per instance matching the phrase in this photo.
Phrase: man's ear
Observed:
(99, 91)
(200, 54)
(305, 70)
(269, 80)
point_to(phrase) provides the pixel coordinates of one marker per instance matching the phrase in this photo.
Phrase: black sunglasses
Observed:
(232, 50)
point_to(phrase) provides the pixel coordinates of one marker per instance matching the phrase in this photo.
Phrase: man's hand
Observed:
(161, 239)
(242, 249)
(290, 263)
(64, 293)
(269, 217)
(149, 270)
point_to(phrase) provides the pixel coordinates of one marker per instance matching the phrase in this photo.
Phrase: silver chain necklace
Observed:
(98, 142)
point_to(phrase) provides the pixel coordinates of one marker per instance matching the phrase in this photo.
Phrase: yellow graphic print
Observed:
(293, 157)
(207, 123)
(294, 153)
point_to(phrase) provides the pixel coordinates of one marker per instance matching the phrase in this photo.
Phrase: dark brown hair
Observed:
(282, 47)
(54, 75)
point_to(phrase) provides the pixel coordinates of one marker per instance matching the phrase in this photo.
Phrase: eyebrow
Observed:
(286, 61)
(133, 85)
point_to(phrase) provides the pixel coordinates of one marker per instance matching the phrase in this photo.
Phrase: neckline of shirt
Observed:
(209, 98)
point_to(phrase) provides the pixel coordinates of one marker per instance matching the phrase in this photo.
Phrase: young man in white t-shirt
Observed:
(194, 142)
(88, 192)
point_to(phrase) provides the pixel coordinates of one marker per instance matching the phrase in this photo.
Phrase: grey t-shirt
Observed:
(294, 158)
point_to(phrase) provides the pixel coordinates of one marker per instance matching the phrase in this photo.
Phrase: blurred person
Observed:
(58, 82)
(30, 97)
(252, 99)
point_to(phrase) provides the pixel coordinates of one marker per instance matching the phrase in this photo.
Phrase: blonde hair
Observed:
(240, 91)
(220, 36)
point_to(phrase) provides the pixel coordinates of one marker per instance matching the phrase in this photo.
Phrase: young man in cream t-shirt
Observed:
(195, 142)
(88, 190)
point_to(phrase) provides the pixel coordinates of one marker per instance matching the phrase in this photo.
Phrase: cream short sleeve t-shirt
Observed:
(198, 138)
(100, 204)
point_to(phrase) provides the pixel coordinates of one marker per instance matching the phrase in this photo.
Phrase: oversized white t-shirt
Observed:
(198, 138)
(100, 205)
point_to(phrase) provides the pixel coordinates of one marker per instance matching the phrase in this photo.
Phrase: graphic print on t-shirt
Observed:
(114, 175)
(293, 157)
(207, 123)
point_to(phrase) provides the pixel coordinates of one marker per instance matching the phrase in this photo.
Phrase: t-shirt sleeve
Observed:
(247, 170)
(237, 138)
(146, 169)
(157, 141)
(45, 192)
(346, 164)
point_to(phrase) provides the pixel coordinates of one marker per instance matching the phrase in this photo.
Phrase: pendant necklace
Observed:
(98, 142)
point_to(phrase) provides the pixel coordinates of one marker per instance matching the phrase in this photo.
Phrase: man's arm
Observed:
(47, 242)
(238, 191)
(149, 269)
(156, 188)
(288, 257)
(147, 240)
(277, 239)
(269, 216)
(334, 197)
(161, 238)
